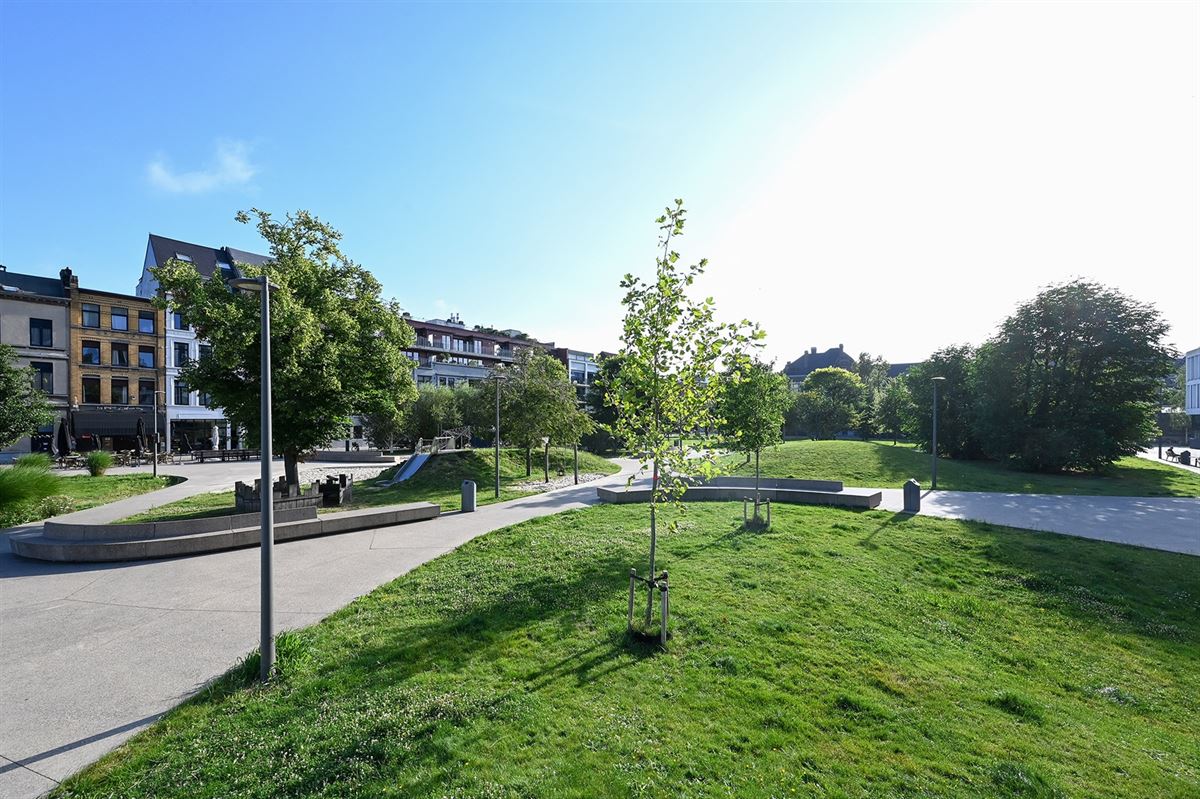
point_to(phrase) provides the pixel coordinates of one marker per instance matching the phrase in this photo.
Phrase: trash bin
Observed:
(912, 496)
(468, 496)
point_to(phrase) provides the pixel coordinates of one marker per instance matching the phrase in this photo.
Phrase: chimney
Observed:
(813, 351)
(68, 278)
(841, 348)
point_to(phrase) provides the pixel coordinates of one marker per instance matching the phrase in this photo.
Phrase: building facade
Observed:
(190, 422)
(34, 321)
(1191, 389)
(582, 369)
(448, 353)
(117, 357)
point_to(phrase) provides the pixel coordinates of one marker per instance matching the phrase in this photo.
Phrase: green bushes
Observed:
(98, 462)
(34, 460)
(26, 483)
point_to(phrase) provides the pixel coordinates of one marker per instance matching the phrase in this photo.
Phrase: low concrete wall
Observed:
(170, 529)
(353, 456)
(846, 497)
(41, 546)
(776, 482)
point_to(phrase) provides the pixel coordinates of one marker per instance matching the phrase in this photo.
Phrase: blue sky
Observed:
(506, 161)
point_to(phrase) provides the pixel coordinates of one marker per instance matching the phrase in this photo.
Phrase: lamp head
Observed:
(939, 379)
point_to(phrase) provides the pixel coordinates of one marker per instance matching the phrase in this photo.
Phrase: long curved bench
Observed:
(93, 543)
(735, 489)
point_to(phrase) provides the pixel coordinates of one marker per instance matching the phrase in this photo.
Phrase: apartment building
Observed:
(582, 369)
(34, 321)
(448, 353)
(117, 356)
(190, 422)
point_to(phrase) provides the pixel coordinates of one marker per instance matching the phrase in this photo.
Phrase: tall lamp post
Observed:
(265, 496)
(156, 393)
(936, 380)
(499, 379)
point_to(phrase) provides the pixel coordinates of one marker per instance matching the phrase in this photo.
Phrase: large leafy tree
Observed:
(337, 347)
(435, 409)
(872, 370)
(829, 401)
(604, 415)
(957, 436)
(538, 401)
(671, 353)
(23, 409)
(752, 404)
(1072, 379)
(892, 408)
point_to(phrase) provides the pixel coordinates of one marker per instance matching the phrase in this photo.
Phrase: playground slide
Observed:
(410, 467)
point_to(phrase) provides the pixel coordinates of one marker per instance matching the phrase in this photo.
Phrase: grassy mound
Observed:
(864, 463)
(439, 480)
(840, 654)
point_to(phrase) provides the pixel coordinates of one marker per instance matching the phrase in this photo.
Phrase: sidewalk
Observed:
(1171, 524)
(92, 654)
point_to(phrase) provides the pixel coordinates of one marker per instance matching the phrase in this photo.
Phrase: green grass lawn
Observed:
(439, 481)
(88, 492)
(860, 463)
(842, 654)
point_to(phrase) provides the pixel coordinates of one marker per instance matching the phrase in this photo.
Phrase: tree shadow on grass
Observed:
(1153, 594)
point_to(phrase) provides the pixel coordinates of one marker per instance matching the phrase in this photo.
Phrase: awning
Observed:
(110, 423)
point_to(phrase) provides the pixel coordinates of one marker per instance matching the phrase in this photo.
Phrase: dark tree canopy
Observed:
(1072, 379)
(829, 401)
(337, 347)
(957, 437)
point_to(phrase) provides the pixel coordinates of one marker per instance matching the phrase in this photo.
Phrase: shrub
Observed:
(55, 505)
(25, 484)
(34, 460)
(98, 462)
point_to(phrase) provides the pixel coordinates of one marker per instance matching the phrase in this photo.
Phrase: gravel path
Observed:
(557, 482)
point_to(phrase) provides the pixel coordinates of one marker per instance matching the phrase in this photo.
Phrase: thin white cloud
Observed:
(231, 166)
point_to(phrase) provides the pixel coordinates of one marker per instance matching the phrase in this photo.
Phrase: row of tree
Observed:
(537, 405)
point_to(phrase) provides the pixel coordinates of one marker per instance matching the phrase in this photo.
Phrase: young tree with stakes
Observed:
(753, 402)
(672, 348)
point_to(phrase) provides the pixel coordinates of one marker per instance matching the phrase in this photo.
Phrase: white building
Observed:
(190, 422)
(1191, 396)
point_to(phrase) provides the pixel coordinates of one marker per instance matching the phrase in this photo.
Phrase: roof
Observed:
(17, 283)
(207, 260)
(811, 361)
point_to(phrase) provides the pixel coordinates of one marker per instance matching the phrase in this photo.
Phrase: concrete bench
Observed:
(735, 489)
(78, 543)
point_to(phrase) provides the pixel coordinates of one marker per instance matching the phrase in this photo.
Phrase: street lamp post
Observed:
(265, 496)
(154, 467)
(934, 449)
(497, 436)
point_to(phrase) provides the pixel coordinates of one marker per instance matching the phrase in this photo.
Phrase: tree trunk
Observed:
(291, 468)
(528, 461)
(756, 484)
(653, 543)
(546, 463)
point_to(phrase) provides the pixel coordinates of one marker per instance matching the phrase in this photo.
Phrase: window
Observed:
(43, 376)
(91, 390)
(120, 318)
(91, 315)
(145, 321)
(120, 353)
(187, 259)
(146, 357)
(204, 398)
(41, 333)
(91, 352)
(181, 393)
(120, 391)
(145, 392)
(181, 355)
(205, 351)
(177, 321)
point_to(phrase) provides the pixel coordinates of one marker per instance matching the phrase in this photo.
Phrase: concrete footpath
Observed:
(1167, 523)
(91, 654)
